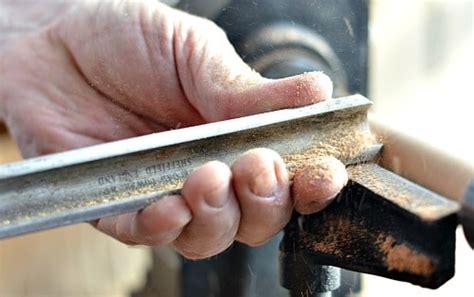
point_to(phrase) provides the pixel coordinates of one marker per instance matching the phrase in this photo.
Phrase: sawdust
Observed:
(400, 257)
(318, 170)
(335, 240)
(171, 185)
(339, 235)
(53, 209)
(342, 142)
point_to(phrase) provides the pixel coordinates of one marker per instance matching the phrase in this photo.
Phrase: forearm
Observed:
(18, 17)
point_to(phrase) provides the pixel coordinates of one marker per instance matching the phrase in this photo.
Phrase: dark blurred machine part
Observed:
(285, 49)
(467, 214)
(304, 35)
(281, 38)
(205, 8)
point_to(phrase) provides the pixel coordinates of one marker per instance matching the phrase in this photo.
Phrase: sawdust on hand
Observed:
(317, 183)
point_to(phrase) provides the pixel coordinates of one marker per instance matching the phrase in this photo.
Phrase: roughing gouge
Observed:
(123, 176)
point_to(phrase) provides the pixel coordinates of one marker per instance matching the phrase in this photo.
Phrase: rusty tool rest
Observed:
(381, 223)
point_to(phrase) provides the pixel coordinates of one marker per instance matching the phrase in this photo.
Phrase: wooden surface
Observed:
(422, 163)
(74, 261)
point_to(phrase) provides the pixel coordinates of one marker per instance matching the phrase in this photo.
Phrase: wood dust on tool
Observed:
(317, 174)
(340, 233)
(400, 257)
(342, 141)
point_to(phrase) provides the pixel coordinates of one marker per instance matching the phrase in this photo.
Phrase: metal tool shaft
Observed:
(124, 176)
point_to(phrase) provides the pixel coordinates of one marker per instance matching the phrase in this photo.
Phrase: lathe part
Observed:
(380, 224)
(308, 280)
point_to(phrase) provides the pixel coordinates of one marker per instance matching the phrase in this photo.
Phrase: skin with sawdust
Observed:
(316, 184)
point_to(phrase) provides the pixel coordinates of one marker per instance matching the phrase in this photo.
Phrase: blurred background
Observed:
(420, 77)
(421, 61)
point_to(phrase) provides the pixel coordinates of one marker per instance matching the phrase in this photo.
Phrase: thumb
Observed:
(219, 84)
(267, 95)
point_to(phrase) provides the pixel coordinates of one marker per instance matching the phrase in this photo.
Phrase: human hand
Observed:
(116, 69)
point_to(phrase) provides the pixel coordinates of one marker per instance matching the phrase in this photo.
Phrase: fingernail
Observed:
(264, 185)
(218, 198)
